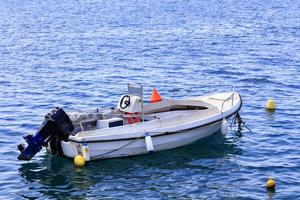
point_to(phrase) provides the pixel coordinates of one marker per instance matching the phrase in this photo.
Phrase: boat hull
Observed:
(137, 146)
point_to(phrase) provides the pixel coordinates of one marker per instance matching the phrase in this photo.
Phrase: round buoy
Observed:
(270, 183)
(270, 105)
(79, 161)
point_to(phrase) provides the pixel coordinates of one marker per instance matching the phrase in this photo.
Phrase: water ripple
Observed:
(81, 54)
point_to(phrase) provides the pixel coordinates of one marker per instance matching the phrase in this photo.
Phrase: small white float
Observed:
(132, 128)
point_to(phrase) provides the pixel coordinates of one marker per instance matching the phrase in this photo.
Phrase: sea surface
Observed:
(81, 54)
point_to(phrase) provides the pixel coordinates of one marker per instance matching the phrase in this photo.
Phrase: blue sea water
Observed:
(81, 54)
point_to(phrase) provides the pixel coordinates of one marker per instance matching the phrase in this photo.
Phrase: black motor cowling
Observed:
(56, 127)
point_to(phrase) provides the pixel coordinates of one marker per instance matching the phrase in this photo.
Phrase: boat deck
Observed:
(163, 120)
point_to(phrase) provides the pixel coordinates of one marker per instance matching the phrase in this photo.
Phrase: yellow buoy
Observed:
(270, 183)
(79, 161)
(270, 105)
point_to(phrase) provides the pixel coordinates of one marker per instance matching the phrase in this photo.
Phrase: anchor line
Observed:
(241, 124)
(132, 141)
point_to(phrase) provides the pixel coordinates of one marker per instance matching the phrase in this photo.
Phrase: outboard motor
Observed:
(56, 127)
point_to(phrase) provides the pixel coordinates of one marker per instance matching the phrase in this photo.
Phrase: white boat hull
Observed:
(107, 149)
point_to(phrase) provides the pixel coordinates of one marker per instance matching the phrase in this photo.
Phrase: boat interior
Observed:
(163, 111)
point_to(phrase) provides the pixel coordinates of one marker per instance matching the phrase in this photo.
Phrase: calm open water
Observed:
(81, 54)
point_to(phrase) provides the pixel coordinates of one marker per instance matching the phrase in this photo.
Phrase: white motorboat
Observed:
(132, 128)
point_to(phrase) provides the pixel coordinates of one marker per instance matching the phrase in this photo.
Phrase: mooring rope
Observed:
(238, 120)
(109, 152)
